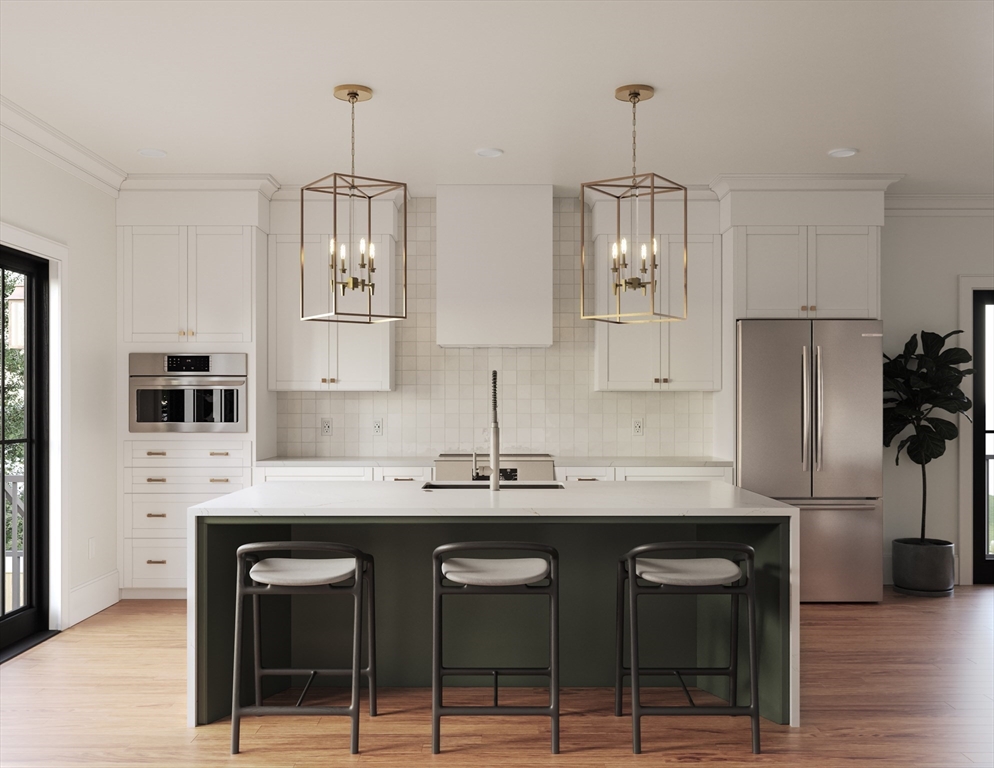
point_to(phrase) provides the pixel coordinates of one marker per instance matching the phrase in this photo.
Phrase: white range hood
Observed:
(494, 265)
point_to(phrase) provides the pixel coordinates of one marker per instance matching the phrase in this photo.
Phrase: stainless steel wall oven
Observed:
(187, 393)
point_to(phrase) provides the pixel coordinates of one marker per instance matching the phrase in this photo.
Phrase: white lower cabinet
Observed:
(162, 480)
(403, 474)
(295, 474)
(674, 473)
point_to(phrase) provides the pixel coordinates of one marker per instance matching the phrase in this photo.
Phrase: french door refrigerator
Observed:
(810, 431)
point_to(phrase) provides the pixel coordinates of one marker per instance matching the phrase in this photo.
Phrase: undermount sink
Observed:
(486, 486)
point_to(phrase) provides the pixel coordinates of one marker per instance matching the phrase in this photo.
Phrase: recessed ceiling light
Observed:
(842, 152)
(152, 152)
(490, 152)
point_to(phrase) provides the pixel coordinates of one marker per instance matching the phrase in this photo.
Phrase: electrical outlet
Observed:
(637, 428)
(377, 427)
(326, 427)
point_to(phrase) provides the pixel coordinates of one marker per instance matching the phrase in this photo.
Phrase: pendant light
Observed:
(356, 293)
(635, 256)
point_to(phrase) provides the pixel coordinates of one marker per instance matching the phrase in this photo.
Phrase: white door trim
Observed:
(967, 285)
(57, 254)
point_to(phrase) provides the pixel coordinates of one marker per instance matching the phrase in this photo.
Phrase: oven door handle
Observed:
(187, 382)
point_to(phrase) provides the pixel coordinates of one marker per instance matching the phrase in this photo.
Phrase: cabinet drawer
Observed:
(584, 474)
(293, 474)
(403, 474)
(156, 562)
(675, 473)
(159, 515)
(199, 480)
(141, 453)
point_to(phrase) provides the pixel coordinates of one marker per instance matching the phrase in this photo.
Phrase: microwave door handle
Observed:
(805, 408)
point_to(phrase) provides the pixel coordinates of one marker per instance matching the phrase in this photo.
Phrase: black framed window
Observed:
(983, 437)
(24, 448)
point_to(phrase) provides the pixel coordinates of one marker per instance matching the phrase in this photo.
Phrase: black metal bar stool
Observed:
(688, 576)
(349, 572)
(495, 576)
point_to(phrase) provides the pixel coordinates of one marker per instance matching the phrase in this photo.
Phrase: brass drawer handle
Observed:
(155, 479)
(219, 453)
(586, 479)
(804, 307)
(813, 307)
(219, 479)
(663, 381)
(155, 453)
(191, 332)
(155, 514)
(182, 333)
(155, 562)
(328, 381)
(403, 478)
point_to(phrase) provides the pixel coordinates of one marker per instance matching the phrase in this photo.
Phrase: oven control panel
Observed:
(188, 363)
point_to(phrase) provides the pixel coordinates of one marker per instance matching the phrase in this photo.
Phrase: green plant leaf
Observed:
(912, 346)
(951, 333)
(954, 356)
(932, 344)
(900, 447)
(943, 428)
(925, 445)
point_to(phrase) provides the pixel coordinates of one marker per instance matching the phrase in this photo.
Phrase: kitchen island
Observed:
(591, 524)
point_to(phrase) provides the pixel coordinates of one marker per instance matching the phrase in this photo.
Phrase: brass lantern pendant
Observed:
(636, 244)
(352, 251)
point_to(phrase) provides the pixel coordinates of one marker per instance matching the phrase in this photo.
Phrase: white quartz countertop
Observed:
(576, 499)
(561, 461)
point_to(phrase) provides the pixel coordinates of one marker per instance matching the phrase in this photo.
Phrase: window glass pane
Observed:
(989, 364)
(990, 506)
(14, 355)
(15, 529)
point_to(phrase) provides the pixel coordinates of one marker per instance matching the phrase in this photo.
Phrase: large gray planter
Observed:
(923, 568)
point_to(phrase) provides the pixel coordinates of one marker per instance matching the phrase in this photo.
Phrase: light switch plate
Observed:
(638, 428)
(377, 427)
(326, 427)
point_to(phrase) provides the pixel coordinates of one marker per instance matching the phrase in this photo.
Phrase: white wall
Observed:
(922, 254)
(39, 197)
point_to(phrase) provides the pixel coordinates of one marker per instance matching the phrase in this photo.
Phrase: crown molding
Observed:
(262, 183)
(939, 205)
(38, 137)
(724, 183)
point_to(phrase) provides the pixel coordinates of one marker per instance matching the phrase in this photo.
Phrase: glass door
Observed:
(983, 437)
(23, 447)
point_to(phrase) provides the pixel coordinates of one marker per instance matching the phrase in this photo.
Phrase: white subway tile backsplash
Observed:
(442, 404)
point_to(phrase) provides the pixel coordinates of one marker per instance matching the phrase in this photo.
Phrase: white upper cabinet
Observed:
(807, 272)
(679, 355)
(311, 355)
(190, 284)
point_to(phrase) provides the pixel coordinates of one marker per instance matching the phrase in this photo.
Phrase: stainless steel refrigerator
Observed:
(810, 433)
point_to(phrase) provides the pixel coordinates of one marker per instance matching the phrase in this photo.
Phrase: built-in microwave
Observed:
(187, 393)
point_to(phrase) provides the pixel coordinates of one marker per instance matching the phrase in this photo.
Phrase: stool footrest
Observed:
(291, 710)
(701, 710)
(489, 671)
(659, 671)
(502, 710)
(329, 672)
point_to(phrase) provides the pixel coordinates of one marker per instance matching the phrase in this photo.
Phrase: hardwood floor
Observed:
(909, 682)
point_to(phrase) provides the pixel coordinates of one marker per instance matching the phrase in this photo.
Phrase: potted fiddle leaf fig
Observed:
(917, 384)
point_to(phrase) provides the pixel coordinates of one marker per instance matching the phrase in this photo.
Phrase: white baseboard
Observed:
(153, 593)
(93, 596)
(889, 569)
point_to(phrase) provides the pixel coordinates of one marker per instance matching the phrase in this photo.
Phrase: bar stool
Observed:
(495, 576)
(350, 572)
(687, 576)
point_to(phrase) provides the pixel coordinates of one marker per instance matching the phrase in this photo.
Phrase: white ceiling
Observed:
(742, 87)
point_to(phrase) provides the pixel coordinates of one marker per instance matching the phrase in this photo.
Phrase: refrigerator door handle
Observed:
(820, 406)
(805, 408)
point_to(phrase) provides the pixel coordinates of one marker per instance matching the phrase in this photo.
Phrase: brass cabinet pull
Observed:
(804, 307)
(663, 380)
(813, 307)
(155, 562)
(666, 380)
(219, 453)
(155, 514)
(191, 332)
(655, 381)
(155, 453)
(219, 479)
(587, 479)
(332, 380)
(155, 479)
(403, 478)
(182, 333)
(324, 381)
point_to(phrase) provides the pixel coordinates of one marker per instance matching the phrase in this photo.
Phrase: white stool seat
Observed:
(302, 572)
(495, 572)
(695, 572)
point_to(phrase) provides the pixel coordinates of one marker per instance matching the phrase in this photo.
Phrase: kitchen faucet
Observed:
(494, 442)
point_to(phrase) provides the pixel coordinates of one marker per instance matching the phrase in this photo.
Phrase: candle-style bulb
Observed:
(342, 253)
(653, 246)
(372, 252)
(643, 252)
(331, 247)
(624, 246)
(614, 251)
(362, 246)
